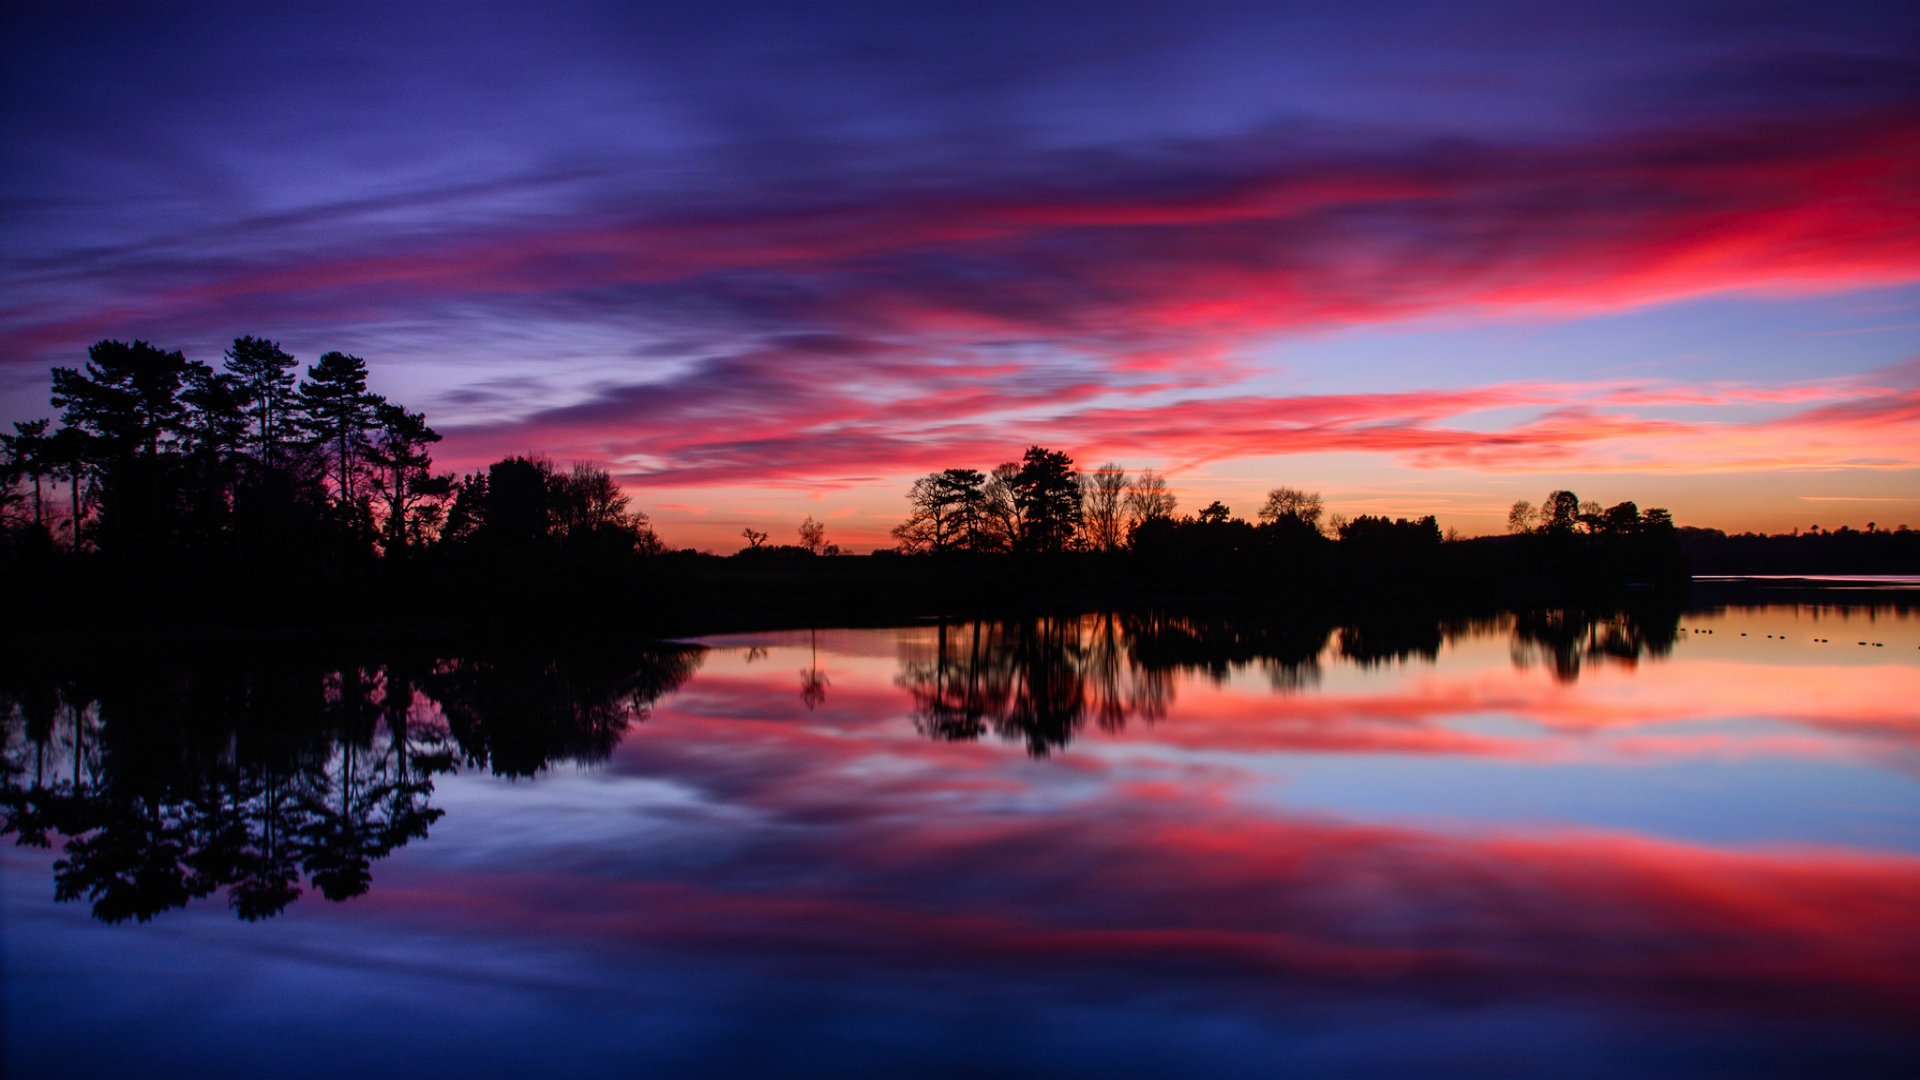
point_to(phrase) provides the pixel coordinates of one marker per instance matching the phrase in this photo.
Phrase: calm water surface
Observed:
(1094, 846)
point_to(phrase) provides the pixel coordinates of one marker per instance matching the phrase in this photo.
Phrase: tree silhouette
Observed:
(1000, 506)
(264, 375)
(1105, 502)
(1521, 517)
(339, 415)
(949, 512)
(1560, 514)
(127, 403)
(29, 454)
(813, 536)
(401, 474)
(1047, 493)
(68, 453)
(1148, 500)
(1291, 506)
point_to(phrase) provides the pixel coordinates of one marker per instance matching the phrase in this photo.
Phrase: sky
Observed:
(771, 261)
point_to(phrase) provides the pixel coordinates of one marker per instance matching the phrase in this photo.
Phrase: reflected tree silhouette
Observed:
(164, 785)
(1565, 641)
(1036, 681)
(1215, 645)
(1040, 681)
(813, 681)
(1391, 640)
(516, 714)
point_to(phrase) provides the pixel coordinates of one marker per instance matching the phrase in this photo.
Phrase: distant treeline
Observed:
(171, 491)
(1818, 551)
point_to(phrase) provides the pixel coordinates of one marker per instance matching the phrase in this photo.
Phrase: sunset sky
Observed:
(766, 261)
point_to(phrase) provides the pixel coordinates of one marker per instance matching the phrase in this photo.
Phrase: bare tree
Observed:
(1520, 517)
(1285, 503)
(1103, 500)
(813, 535)
(1000, 512)
(1148, 499)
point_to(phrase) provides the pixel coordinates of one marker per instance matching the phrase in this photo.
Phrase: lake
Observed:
(1559, 844)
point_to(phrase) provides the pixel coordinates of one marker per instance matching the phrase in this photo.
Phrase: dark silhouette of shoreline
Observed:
(173, 498)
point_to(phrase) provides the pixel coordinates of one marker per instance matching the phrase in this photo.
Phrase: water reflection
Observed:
(1565, 641)
(170, 783)
(1041, 681)
(1522, 846)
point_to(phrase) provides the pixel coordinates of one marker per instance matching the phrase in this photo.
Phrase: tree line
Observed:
(160, 467)
(1041, 505)
(170, 487)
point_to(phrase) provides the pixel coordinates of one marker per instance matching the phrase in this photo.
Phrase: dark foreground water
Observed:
(1549, 846)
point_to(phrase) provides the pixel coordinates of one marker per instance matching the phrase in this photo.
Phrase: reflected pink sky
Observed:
(1478, 861)
(1200, 839)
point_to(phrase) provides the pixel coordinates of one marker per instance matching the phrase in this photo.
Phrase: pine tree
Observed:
(339, 414)
(265, 375)
(401, 471)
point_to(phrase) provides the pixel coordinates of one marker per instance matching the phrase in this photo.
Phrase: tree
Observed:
(929, 524)
(264, 375)
(1286, 504)
(948, 512)
(1521, 517)
(214, 432)
(590, 509)
(127, 405)
(813, 535)
(1104, 499)
(12, 468)
(1621, 519)
(1148, 500)
(68, 454)
(215, 424)
(516, 509)
(1560, 513)
(754, 537)
(1047, 493)
(1214, 513)
(128, 397)
(1000, 515)
(340, 415)
(467, 513)
(584, 500)
(29, 454)
(401, 473)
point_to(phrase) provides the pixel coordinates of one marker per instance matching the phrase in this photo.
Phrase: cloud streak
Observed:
(703, 279)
